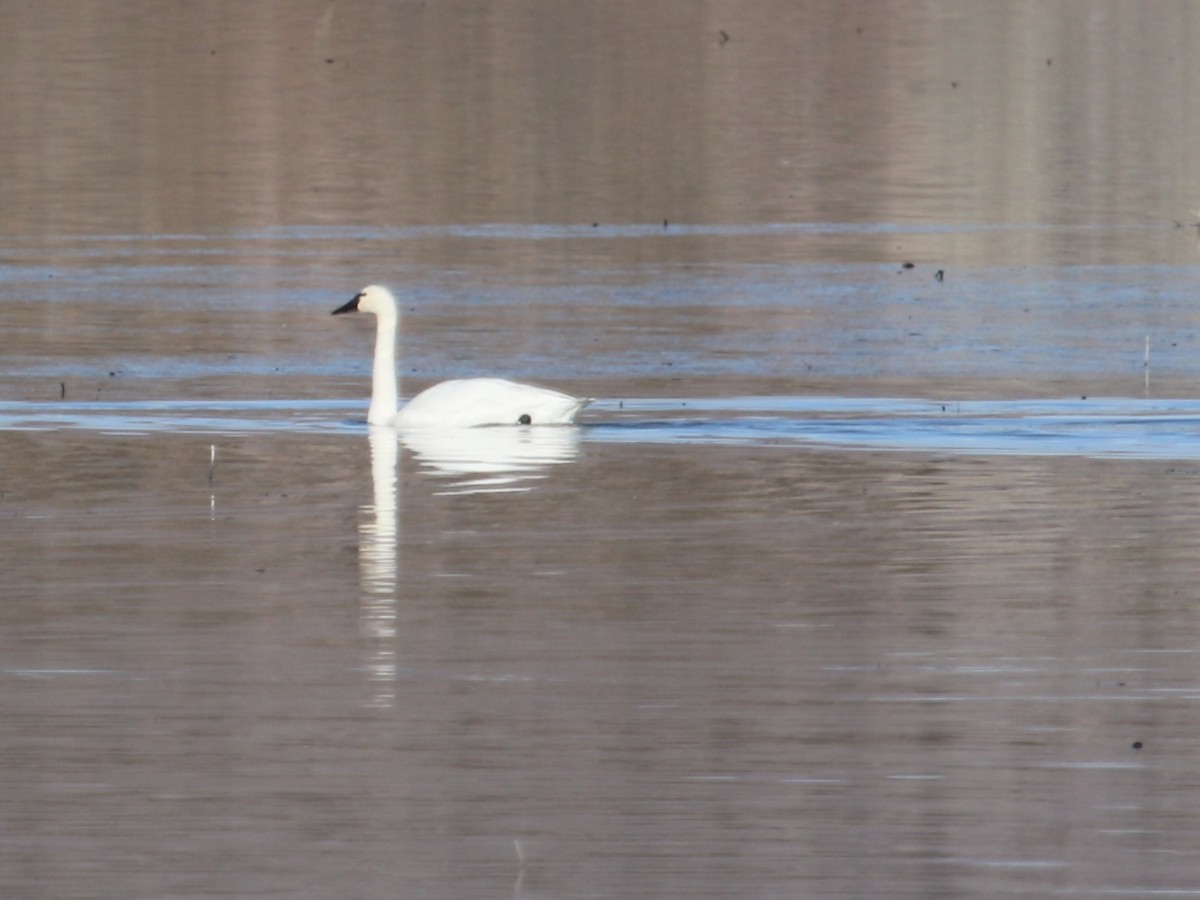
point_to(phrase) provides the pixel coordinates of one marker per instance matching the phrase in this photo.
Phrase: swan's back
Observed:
(468, 402)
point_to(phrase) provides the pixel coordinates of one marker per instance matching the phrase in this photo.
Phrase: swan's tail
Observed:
(564, 414)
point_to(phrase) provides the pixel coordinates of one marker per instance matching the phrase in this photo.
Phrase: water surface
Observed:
(870, 572)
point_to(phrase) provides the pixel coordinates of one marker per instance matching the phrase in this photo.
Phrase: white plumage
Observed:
(460, 403)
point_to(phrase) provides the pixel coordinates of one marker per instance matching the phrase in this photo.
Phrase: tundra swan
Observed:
(459, 403)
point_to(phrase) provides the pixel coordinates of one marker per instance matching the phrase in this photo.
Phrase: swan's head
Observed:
(372, 299)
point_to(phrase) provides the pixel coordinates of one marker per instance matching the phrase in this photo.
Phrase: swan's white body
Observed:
(461, 403)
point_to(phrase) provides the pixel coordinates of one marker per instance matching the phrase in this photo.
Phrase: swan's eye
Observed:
(525, 419)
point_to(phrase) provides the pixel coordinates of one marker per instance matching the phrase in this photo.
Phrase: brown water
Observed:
(853, 582)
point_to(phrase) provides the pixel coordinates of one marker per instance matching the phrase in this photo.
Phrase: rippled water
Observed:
(871, 571)
(615, 666)
(1093, 427)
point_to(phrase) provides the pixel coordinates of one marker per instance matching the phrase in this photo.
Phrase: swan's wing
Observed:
(468, 402)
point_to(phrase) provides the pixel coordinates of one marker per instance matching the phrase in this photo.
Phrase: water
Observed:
(870, 572)
(756, 664)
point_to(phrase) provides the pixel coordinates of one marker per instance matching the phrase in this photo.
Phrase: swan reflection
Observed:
(479, 460)
(378, 530)
(475, 460)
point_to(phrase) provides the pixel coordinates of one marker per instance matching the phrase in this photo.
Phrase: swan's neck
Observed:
(383, 372)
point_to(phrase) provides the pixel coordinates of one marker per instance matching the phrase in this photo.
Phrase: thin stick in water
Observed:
(1146, 365)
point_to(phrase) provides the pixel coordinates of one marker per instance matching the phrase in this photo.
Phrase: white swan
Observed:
(461, 403)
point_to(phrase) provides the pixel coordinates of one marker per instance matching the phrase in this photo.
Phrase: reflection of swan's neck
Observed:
(378, 548)
(378, 532)
(383, 372)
